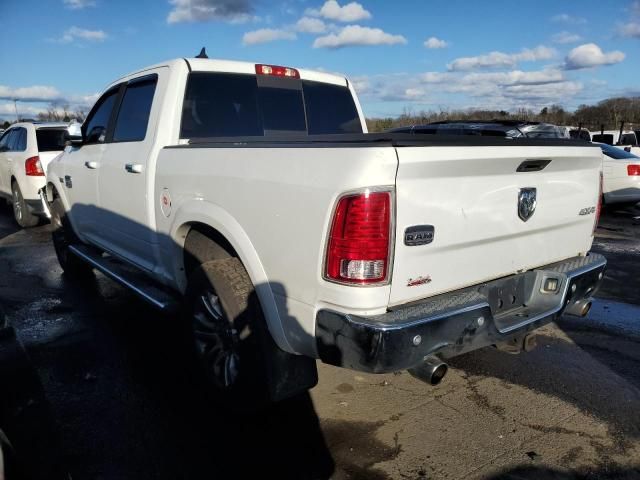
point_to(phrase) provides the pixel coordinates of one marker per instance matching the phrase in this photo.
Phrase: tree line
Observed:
(606, 114)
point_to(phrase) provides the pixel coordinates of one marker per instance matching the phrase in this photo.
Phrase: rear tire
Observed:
(21, 212)
(228, 332)
(63, 236)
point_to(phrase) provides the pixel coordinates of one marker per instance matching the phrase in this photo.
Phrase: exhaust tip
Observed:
(584, 311)
(438, 374)
(432, 371)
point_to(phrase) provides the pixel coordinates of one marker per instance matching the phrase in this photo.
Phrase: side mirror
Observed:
(74, 141)
(96, 135)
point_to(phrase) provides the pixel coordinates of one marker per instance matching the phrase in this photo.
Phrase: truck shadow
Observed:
(8, 226)
(130, 404)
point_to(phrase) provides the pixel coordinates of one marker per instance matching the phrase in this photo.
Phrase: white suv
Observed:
(25, 151)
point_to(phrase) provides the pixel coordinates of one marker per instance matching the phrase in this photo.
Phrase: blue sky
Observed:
(416, 55)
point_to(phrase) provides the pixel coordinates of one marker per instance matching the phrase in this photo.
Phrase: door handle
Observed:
(133, 168)
(92, 165)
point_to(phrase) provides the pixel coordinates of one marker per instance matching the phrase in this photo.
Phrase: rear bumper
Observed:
(458, 322)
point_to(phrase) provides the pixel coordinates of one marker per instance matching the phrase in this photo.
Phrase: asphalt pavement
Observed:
(125, 406)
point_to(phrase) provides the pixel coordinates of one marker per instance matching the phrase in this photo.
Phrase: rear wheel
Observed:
(21, 212)
(63, 236)
(228, 331)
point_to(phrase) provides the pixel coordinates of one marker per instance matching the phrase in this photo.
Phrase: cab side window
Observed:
(135, 108)
(94, 129)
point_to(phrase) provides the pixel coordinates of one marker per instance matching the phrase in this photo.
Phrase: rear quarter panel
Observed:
(274, 207)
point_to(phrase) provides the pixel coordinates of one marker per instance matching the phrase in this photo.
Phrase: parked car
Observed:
(575, 132)
(25, 151)
(627, 141)
(497, 128)
(252, 195)
(621, 175)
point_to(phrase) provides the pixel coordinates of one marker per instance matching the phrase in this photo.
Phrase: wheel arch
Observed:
(216, 234)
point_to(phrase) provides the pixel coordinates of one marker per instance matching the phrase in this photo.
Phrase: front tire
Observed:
(21, 212)
(228, 332)
(63, 236)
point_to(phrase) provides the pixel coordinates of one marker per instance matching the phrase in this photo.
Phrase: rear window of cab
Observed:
(237, 105)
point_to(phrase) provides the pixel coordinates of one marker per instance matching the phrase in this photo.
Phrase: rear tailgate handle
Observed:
(532, 165)
(133, 168)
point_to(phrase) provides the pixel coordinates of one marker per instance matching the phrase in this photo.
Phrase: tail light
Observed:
(277, 71)
(633, 170)
(33, 167)
(599, 207)
(359, 241)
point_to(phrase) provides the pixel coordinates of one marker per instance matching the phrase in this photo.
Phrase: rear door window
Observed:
(51, 139)
(133, 115)
(17, 141)
(220, 105)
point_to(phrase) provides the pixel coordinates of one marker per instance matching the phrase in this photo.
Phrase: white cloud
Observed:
(435, 77)
(361, 84)
(266, 35)
(566, 37)
(331, 10)
(501, 60)
(515, 77)
(507, 90)
(234, 11)
(630, 30)
(76, 33)
(78, 4)
(35, 99)
(310, 25)
(591, 55)
(356, 35)
(434, 42)
(544, 92)
(8, 111)
(571, 19)
(35, 93)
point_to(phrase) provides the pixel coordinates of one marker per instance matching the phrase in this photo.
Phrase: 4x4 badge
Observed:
(527, 202)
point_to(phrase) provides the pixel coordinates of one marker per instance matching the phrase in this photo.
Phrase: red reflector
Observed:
(358, 249)
(33, 168)
(277, 71)
(633, 170)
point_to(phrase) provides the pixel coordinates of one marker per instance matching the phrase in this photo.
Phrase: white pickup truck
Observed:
(252, 196)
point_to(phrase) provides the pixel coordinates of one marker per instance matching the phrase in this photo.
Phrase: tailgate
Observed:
(470, 196)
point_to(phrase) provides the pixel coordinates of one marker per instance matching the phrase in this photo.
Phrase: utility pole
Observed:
(15, 105)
